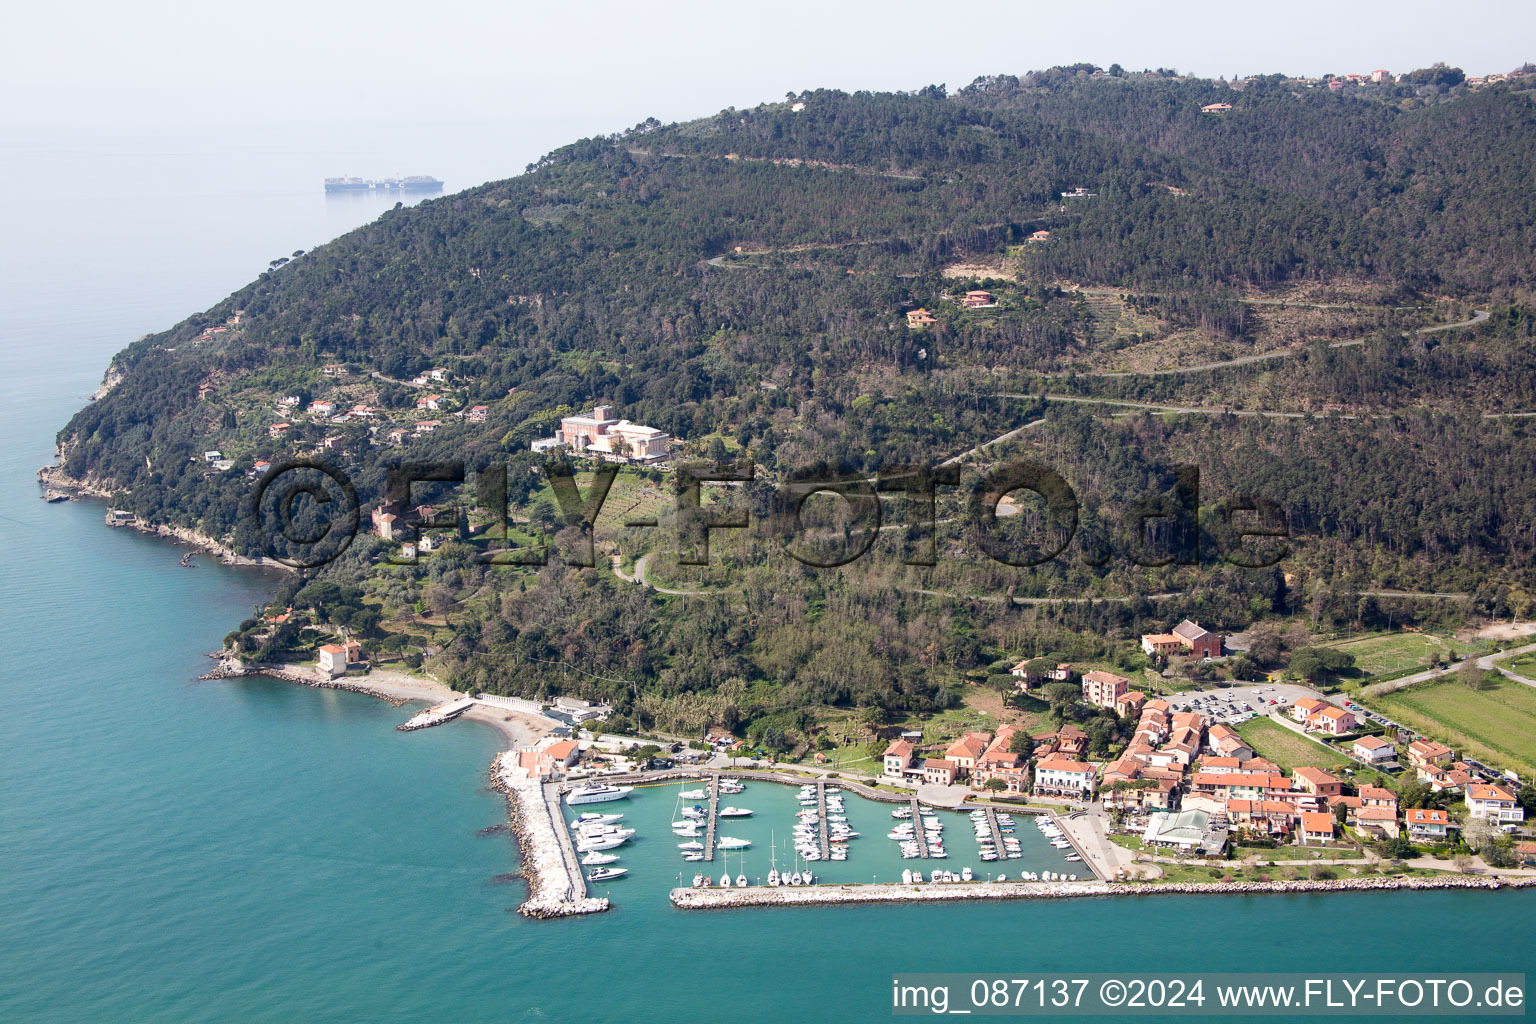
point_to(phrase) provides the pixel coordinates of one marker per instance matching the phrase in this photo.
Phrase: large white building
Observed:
(604, 435)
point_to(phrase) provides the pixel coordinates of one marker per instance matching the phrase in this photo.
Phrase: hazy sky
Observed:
(606, 65)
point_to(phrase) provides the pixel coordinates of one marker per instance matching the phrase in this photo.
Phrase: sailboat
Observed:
(773, 860)
(725, 880)
(741, 872)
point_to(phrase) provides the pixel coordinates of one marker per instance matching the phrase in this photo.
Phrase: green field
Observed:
(1497, 725)
(1287, 749)
(1387, 654)
(1525, 665)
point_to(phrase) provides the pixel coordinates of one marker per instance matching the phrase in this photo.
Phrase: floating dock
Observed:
(821, 816)
(714, 817)
(918, 830)
(997, 831)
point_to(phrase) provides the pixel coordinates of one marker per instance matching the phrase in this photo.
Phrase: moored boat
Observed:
(596, 793)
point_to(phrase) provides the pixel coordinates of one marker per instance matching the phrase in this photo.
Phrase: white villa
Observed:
(607, 437)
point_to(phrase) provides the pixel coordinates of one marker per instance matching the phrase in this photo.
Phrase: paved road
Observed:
(1485, 663)
(642, 577)
(997, 599)
(1090, 832)
(1015, 432)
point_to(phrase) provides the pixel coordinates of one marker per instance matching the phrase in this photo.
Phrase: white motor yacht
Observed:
(596, 793)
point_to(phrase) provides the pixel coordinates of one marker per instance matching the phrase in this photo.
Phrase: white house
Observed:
(334, 658)
(1426, 823)
(1495, 803)
(1373, 749)
(1057, 776)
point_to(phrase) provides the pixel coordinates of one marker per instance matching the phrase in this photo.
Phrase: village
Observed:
(1188, 791)
(339, 413)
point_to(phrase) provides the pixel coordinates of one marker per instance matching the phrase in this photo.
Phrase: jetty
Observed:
(437, 714)
(714, 817)
(821, 816)
(556, 886)
(918, 830)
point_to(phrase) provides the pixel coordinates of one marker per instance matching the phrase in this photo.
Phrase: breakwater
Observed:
(556, 887)
(819, 895)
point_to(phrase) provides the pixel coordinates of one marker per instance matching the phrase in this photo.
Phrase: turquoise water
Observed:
(187, 851)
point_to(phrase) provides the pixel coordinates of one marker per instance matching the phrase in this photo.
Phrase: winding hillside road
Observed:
(1478, 316)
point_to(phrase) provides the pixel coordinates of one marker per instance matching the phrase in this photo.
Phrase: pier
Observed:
(918, 830)
(821, 816)
(714, 816)
(437, 714)
(997, 832)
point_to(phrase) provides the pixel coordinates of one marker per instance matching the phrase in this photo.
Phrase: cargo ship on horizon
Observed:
(410, 183)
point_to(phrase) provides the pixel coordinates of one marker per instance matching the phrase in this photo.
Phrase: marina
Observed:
(637, 831)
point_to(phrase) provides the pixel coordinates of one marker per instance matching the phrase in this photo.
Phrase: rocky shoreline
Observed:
(720, 899)
(55, 482)
(230, 669)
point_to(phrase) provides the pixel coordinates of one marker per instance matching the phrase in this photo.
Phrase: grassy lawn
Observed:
(1525, 665)
(1128, 841)
(1392, 653)
(1292, 750)
(1288, 749)
(1497, 724)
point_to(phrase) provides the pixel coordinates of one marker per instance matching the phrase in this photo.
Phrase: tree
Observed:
(995, 785)
(1060, 695)
(1021, 743)
(1316, 663)
(1397, 847)
(1471, 676)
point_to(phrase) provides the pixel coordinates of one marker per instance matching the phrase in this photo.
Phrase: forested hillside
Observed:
(1263, 292)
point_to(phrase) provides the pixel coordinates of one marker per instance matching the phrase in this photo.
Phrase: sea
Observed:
(177, 850)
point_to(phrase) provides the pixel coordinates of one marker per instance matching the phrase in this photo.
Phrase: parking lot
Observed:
(1240, 703)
